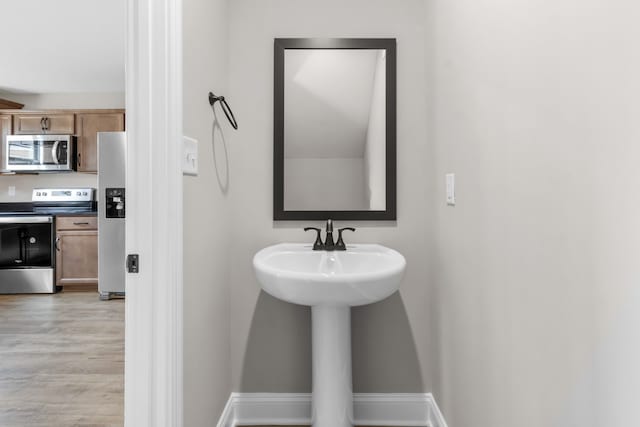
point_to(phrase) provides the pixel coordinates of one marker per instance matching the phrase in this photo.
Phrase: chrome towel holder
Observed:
(225, 107)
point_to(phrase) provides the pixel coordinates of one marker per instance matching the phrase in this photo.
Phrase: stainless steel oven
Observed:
(27, 237)
(26, 254)
(39, 153)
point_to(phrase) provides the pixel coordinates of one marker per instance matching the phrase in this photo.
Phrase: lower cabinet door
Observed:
(77, 259)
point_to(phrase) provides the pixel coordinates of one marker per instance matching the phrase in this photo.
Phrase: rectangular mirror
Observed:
(334, 129)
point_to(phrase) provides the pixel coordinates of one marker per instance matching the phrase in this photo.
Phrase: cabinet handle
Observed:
(58, 243)
(80, 223)
(79, 159)
(42, 125)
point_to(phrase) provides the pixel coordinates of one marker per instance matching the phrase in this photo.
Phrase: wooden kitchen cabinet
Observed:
(77, 252)
(88, 126)
(85, 124)
(5, 125)
(44, 123)
(10, 105)
(5, 129)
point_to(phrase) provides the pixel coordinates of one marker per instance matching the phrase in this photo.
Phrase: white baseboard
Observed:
(379, 409)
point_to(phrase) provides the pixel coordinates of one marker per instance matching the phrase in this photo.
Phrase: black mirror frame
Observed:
(280, 45)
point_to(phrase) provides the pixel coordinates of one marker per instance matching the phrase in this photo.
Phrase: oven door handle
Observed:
(26, 220)
(54, 152)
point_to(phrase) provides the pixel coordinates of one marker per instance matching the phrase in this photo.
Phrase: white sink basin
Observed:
(330, 282)
(363, 274)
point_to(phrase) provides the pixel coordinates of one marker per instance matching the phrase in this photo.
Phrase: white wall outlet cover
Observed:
(451, 189)
(189, 156)
(12, 190)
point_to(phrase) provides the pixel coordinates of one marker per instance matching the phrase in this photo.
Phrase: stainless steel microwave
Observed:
(40, 153)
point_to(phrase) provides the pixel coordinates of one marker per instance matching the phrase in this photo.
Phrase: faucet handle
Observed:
(317, 245)
(340, 246)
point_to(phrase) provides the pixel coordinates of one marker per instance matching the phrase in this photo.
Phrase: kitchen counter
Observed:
(92, 213)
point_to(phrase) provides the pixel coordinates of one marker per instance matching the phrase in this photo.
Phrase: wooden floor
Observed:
(61, 361)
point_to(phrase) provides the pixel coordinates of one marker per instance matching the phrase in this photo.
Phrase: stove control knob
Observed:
(84, 193)
(79, 193)
(38, 194)
(44, 193)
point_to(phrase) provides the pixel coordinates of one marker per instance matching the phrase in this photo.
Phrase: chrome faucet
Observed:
(329, 244)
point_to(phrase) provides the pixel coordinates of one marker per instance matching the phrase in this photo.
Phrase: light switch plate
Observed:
(189, 156)
(451, 189)
(12, 191)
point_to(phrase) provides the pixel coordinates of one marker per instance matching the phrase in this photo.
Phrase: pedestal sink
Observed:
(331, 283)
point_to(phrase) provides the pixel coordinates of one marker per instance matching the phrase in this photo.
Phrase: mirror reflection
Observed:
(334, 130)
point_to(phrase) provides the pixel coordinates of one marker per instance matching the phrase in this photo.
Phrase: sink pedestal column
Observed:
(331, 349)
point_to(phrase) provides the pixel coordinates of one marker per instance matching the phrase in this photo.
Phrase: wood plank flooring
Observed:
(61, 360)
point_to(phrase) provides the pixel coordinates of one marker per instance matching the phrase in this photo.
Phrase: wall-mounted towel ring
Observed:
(225, 108)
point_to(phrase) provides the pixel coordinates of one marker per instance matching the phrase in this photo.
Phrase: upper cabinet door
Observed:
(5, 129)
(42, 123)
(89, 124)
(5, 126)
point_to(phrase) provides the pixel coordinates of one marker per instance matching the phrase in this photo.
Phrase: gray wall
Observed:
(535, 108)
(67, 100)
(270, 339)
(308, 186)
(374, 150)
(24, 184)
(520, 305)
(207, 365)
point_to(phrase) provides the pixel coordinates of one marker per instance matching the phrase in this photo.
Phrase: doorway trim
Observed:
(153, 312)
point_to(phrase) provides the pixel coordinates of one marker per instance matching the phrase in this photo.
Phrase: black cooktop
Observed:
(19, 209)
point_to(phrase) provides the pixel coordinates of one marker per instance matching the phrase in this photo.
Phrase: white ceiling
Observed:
(62, 46)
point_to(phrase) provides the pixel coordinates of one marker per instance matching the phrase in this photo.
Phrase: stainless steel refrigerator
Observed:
(112, 152)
